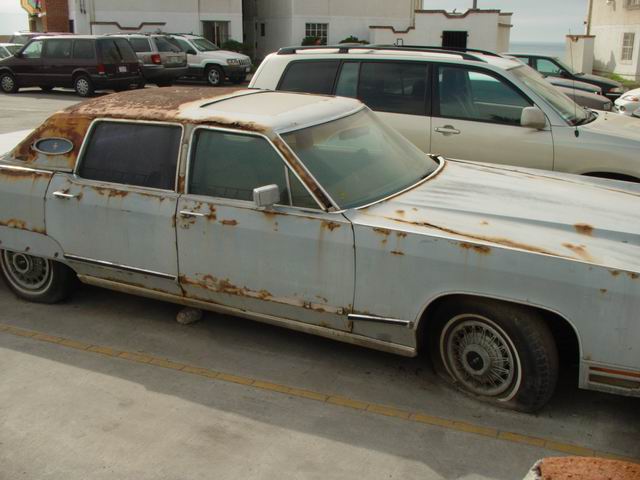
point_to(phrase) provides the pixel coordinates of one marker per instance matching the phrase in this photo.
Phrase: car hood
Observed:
(589, 220)
(597, 78)
(612, 124)
(224, 54)
(574, 84)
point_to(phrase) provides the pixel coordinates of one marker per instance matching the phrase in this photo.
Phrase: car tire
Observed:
(83, 86)
(36, 279)
(214, 75)
(495, 351)
(45, 88)
(8, 83)
(166, 83)
(141, 84)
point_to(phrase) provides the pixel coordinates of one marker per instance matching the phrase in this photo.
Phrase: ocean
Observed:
(554, 49)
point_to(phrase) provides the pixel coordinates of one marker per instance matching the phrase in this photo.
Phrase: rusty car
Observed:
(309, 212)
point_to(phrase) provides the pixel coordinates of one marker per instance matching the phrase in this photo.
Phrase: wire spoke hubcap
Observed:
(7, 83)
(26, 272)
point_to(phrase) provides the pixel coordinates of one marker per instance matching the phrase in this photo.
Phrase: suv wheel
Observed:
(83, 86)
(8, 83)
(214, 76)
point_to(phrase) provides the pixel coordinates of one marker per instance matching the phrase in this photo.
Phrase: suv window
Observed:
(116, 50)
(57, 49)
(83, 49)
(33, 49)
(473, 95)
(164, 45)
(143, 155)
(140, 44)
(310, 77)
(231, 165)
(548, 68)
(183, 44)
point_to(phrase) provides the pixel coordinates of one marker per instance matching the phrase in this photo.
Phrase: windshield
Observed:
(13, 48)
(359, 159)
(573, 113)
(204, 45)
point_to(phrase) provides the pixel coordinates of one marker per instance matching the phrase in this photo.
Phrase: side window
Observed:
(231, 165)
(33, 50)
(3, 53)
(396, 87)
(310, 77)
(548, 68)
(347, 85)
(139, 154)
(183, 45)
(140, 44)
(472, 95)
(163, 44)
(83, 49)
(59, 49)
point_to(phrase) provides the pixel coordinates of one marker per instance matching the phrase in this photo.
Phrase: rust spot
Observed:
(330, 225)
(396, 252)
(14, 223)
(400, 212)
(481, 249)
(583, 228)
(110, 192)
(484, 222)
(230, 223)
(181, 183)
(579, 250)
(401, 234)
(20, 174)
(382, 231)
(614, 273)
(414, 209)
(603, 290)
(633, 275)
(212, 213)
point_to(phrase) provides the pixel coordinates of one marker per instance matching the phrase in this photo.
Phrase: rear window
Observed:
(165, 46)
(116, 50)
(144, 155)
(310, 77)
(83, 49)
(140, 44)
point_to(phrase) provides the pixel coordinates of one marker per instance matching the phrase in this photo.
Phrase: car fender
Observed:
(32, 243)
(79, 71)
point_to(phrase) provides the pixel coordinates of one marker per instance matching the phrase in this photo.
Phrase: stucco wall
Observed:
(608, 50)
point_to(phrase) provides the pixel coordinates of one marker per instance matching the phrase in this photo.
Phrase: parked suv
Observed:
(8, 49)
(84, 62)
(163, 62)
(550, 66)
(207, 61)
(465, 105)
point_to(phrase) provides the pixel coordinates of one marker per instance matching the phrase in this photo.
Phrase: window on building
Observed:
(631, 4)
(310, 77)
(628, 40)
(317, 30)
(139, 154)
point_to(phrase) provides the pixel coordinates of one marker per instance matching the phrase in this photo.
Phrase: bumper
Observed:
(160, 72)
(236, 71)
(101, 82)
(627, 109)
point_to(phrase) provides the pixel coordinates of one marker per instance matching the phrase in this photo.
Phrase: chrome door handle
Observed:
(187, 213)
(447, 130)
(64, 195)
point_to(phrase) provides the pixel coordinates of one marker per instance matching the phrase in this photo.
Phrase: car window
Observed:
(473, 95)
(164, 45)
(3, 52)
(547, 67)
(183, 44)
(231, 165)
(33, 49)
(347, 85)
(310, 77)
(116, 50)
(204, 45)
(143, 155)
(140, 44)
(13, 48)
(57, 48)
(396, 87)
(83, 49)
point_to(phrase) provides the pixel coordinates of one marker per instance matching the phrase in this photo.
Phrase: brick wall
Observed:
(57, 17)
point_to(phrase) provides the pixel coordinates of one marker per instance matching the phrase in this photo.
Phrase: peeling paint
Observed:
(579, 250)
(583, 228)
(230, 223)
(396, 252)
(481, 249)
(330, 225)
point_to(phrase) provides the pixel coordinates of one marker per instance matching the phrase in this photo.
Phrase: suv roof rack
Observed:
(448, 49)
(345, 47)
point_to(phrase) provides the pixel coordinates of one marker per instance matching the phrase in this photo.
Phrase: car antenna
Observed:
(576, 132)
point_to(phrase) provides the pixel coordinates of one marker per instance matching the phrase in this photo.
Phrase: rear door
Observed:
(57, 64)
(118, 57)
(476, 116)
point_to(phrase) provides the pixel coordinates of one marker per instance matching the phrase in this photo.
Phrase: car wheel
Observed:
(141, 84)
(46, 88)
(8, 83)
(36, 279)
(166, 83)
(495, 351)
(83, 86)
(214, 76)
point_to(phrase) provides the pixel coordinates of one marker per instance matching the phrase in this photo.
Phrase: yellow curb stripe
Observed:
(416, 417)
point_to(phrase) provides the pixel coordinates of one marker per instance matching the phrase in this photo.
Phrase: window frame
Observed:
(317, 28)
(88, 135)
(286, 170)
(627, 48)
(435, 91)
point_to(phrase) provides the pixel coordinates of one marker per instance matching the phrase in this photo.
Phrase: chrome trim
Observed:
(104, 263)
(35, 147)
(389, 321)
(18, 168)
(63, 195)
(187, 213)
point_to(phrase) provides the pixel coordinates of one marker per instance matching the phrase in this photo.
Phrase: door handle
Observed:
(64, 195)
(187, 213)
(447, 130)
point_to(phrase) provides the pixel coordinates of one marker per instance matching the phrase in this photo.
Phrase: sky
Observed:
(533, 20)
(12, 17)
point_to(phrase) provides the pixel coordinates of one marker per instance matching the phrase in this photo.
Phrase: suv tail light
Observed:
(155, 58)
(101, 69)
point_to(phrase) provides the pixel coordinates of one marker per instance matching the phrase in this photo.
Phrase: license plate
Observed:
(248, 69)
(122, 69)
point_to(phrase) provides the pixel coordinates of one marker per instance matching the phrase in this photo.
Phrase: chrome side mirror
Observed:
(533, 117)
(266, 196)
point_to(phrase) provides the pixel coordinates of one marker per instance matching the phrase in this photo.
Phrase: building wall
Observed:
(57, 17)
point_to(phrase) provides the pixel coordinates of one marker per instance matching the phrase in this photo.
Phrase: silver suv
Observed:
(163, 62)
(208, 61)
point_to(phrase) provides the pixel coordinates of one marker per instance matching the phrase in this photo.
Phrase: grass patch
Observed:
(630, 84)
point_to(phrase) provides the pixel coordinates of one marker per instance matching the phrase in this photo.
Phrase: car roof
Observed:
(236, 108)
(69, 37)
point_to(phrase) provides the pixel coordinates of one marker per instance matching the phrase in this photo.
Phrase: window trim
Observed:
(629, 48)
(244, 203)
(85, 143)
(435, 91)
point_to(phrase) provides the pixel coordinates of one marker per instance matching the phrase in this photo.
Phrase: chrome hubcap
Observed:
(214, 77)
(479, 355)
(7, 83)
(82, 86)
(27, 272)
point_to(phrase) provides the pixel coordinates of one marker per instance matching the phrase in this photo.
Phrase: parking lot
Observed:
(111, 386)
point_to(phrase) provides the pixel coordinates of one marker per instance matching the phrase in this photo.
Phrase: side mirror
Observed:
(533, 117)
(18, 55)
(191, 51)
(266, 196)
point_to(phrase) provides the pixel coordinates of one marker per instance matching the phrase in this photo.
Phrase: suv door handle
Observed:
(447, 130)
(187, 213)
(64, 195)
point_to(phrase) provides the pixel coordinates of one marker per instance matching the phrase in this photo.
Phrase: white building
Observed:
(218, 20)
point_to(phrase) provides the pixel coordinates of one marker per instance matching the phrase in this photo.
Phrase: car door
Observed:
(114, 217)
(194, 62)
(293, 261)
(28, 65)
(57, 65)
(476, 116)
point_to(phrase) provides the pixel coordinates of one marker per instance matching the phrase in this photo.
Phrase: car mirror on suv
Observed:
(533, 117)
(266, 196)
(191, 51)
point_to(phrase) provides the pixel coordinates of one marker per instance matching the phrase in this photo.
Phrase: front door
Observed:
(476, 116)
(115, 218)
(291, 261)
(27, 67)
